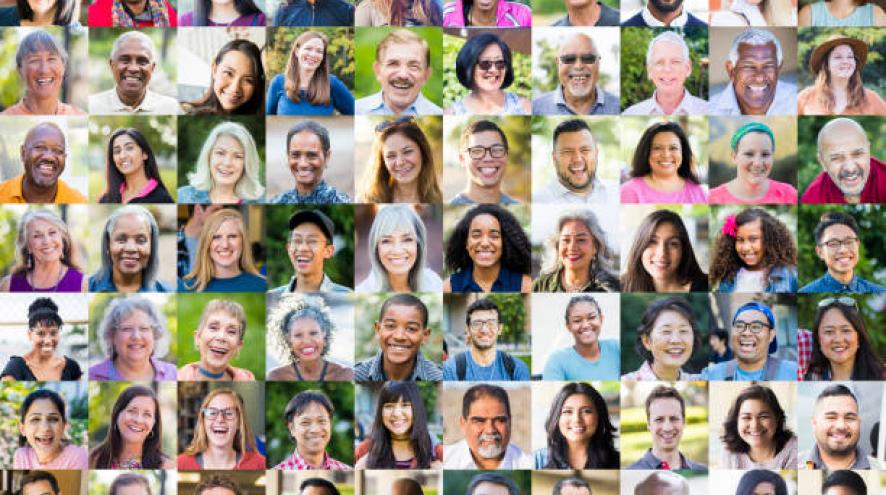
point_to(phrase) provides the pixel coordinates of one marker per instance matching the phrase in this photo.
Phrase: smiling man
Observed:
(575, 156)
(667, 66)
(666, 419)
(43, 155)
(483, 361)
(483, 153)
(133, 60)
(308, 153)
(850, 174)
(309, 417)
(664, 13)
(310, 244)
(836, 244)
(39, 483)
(578, 69)
(755, 60)
(485, 424)
(836, 427)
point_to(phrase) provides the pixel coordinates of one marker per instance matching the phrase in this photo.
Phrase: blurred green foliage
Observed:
(8, 234)
(339, 52)
(874, 69)
(516, 181)
(103, 396)
(367, 39)
(635, 83)
(366, 308)
(100, 302)
(635, 438)
(545, 76)
(807, 147)
(454, 91)
(512, 315)
(192, 132)
(458, 481)
(11, 85)
(872, 233)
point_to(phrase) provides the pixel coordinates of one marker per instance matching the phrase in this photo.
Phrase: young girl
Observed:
(42, 443)
(755, 253)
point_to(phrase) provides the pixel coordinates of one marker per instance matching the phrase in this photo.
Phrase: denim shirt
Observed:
(104, 283)
(781, 279)
(827, 283)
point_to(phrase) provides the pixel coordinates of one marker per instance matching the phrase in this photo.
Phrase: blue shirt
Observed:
(322, 194)
(827, 283)
(507, 281)
(316, 13)
(375, 105)
(785, 371)
(553, 103)
(496, 372)
(191, 195)
(245, 282)
(567, 364)
(781, 279)
(461, 199)
(278, 103)
(105, 283)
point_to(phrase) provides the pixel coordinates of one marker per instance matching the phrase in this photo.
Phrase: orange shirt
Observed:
(11, 192)
(807, 104)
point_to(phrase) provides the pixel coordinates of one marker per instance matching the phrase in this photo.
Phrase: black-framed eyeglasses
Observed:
(478, 324)
(586, 58)
(388, 123)
(834, 245)
(756, 327)
(495, 151)
(488, 64)
(842, 301)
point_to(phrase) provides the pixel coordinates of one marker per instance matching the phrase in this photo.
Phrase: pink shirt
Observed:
(637, 190)
(779, 193)
(72, 457)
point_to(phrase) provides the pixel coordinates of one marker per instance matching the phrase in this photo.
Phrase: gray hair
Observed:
(249, 186)
(150, 271)
(605, 257)
(293, 307)
(39, 40)
(21, 240)
(661, 479)
(388, 219)
(754, 37)
(136, 35)
(668, 37)
(828, 127)
(314, 128)
(121, 308)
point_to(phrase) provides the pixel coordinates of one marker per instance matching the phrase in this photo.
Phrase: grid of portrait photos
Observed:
(434, 247)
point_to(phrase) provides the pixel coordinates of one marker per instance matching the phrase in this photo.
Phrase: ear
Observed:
(21, 428)
(772, 334)
(328, 251)
(729, 68)
(426, 335)
(819, 252)
(376, 69)
(644, 339)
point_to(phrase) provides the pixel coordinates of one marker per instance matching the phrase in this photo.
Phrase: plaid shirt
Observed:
(371, 370)
(804, 351)
(297, 462)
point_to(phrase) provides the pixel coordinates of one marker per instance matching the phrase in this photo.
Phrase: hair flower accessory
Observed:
(730, 227)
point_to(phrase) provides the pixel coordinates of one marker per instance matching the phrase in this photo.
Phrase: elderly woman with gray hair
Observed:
(129, 253)
(45, 257)
(301, 329)
(131, 335)
(577, 257)
(42, 63)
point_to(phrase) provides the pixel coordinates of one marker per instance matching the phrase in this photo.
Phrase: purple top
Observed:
(244, 20)
(637, 190)
(71, 282)
(104, 371)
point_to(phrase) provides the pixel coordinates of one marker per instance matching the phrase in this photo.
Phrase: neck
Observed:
(581, 104)
(212, 369)
(46, 456)
(215, 457)
(842, 371)
(483, 194)
(752, 365)
(488, 99)
(126, 282)
(136, 181)
(43, 18)
(664, 372)
(223, 195)
(484, 463)
(310, 369)
(133, 371)
(852, 200)
(485, 276)
(223, 13)
(578, 454)
(762, 454)
(399, 282)
(401, 446)
(38, 358)
(664, 182)
(38, 194)
(672, 457)
(840, 84)
(42, 106)
(308, 282)
(315, 460)
(47, 270)
(591, 352)
(396, 109)
(227, 271)
(406, 193)
(573, 280)
(482, 17)
(399, 372)
(304, 77)
(833, 462)
(131, 100)
(587, 16)
(665, 18)
(304, 189)
(483, 357)
(667, 285)
(749, 191)
(844, 278)
(669, 101)
(131, 451)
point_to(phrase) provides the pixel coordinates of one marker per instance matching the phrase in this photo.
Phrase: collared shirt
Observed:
(652, 21)
(11, 192)
(297, 462)
(784, 102)
(645, 373)
(649, 461)
(554, 103)
(375, 105)
(326, 285)
(322, 194)
(458, 456)
(105, 371)
(811, 459)
(555, 192)
(371, 370)
(689, 105)
(827, 283)
(108, 103)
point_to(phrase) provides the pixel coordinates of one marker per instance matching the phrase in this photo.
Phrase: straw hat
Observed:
(859, 48)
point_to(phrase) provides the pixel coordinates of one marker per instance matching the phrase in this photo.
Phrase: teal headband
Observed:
(751, 127)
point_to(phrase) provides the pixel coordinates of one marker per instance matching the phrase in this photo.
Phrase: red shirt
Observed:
(823, 190)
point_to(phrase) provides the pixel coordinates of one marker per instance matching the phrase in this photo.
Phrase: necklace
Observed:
(322, 371)
(209, 374)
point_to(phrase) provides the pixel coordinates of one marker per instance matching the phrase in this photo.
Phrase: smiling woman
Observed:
(42, 63)
(129, 253)
(134, 436)
(45, 256)
(666, 339)
(484, 66)
(219, 337)
(755, 433)
(223, 438)
(41, 362)
(39, 13)
(42, 443)
(131, 170)
(227, 169)
(236, 84)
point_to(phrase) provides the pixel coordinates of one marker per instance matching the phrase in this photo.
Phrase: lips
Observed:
(659, 265)
(309, 351)
(851, 177)
(305, 173)
(231, 99)
(747, 345)
(402, 84)
(225, 173)
(398, 261)
(398, 349)
(750, 258)
(488, 172)
(130, 262)
(45, 81)
(218, 352)
(571, 258)
(46, 168)
(132, 81)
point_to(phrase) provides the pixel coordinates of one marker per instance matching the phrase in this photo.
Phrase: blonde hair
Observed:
(244, 440)
(23, 261)
(318, 87)
(777, 12)
(249, 186)
(223, 305)
(204, 269)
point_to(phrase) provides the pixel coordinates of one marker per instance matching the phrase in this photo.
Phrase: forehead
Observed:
(838, 230)
(486, 404)
(755, 140)
(491, 50)
(396, 140)
(750, 315)
(313, 409)
(130, 222)
(666, 406)
(304, 323)
(308, 228)
(670, 317)
(842, 136)
(41, 405)
(222, 400)
(315, 42)
(484, 314)
(577, 45)
(751, 405)
(574, 227)
(666, 137)
(582, 307)
(484, 221)
(402, 52)
(133, 46)
(485, 137)
(666, 49)
(221, 314)
(228, 141)
(305, 140)
(228, 226)
(141, 402)
(578, 138)
(41, 486)
(764, 52)
(45, 134)
(842, 50)
(838, 404)
(402, 312)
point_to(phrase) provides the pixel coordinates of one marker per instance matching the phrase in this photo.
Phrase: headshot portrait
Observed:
(52, 482)
(500, 13)
(391, 13)
(208, 13)
(584, 482)
(501, 481)
(653, 13)
(576, 13)
(45, 418)
(31, 13)
(852, 482)
(140, 482)
(402, 482)
(222, 482)
(647, 482)
(308, 13)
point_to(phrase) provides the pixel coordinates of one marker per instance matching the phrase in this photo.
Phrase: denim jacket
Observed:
(781, 279)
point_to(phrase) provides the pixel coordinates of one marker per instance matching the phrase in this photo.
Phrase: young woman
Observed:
(753, 149)
(129, 254)
(488, 251)
(483, 66)
(41, 363)
(131, 170)
(42, 443)
(842, 13)
(663, 168)
(402, 169)
(41, 58)
(307, 87)
(837, 64)
(755, 434)
(495, 13)
(754, 253)
(219, 337)
(223, 438)
(134, 435)
(666, 338)
(755, 13)
(224, 13)
(44, 257)
(580, 433)
(227, 169)
(398, 252)
(39, 13)
(398, 13)
(399, 438)
(301, 329)
(757, 481)
(236, 86)
(841, 348)
(577, 257)
(224, 258)
(662, 259)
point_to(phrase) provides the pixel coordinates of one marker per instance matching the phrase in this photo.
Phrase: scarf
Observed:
(120, 17)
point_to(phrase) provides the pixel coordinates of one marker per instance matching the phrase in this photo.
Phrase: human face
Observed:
(757, 424)
(575, 157)
(42, 487)
(841, 261)
(665, 155)
(837, 337)
(43, 427)
(764, 488)
(670, 341)
(749, 348)
(753, 159)
(137, 419)
(485, 172)
(749, 244)
(401, 333)
(667, 68)
(307, 161)
(43, 72)
(44, 338)
(132, 66)
(665, 6)
(220, 431)
(45, 241)
(483, 329)
(845, 154)
(486, 5)
(489, 488)
(133, 338)
(487, 429)
(41, 6)
(841, 62)
(754, 77)
(310, 54)
(576, 246)
(43, 155)
(490, 79)
(578, 79)
(666, 423)
(578, 419)
(219, 340)
(307, 340)
(308, 249)
(585, 322)
(398, 251)
(484, 244)
(397, 417)
(133, 489)
(234, 80)
(128, 156)
(311, 429)
(662, 255)
(836, 425)
(227, 159)
(402, 158)
(402, 71)
(130, 245)
(226, 246)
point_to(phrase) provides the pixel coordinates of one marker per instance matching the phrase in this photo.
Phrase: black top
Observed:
(700, 284)
(18, 369)
(158, 195)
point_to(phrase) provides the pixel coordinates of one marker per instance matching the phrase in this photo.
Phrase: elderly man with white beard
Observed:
(578, 67)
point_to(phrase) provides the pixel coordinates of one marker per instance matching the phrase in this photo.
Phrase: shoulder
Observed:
(337, 372)
(280, 373)
(187, 372)
(15, 367)
(635, 21)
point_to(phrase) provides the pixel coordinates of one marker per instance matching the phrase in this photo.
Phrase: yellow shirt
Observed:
(11, 192)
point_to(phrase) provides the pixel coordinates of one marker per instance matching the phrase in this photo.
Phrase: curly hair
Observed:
(516, 250)
(867, 365)
(636, 278)
(601, 450)
(293, 307)
(780, 249)
(731, 439)
(602, 267)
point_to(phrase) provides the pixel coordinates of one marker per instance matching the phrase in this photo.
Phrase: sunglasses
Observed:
(586, 58)
(488, 64)
(388, 123)
(842, 301)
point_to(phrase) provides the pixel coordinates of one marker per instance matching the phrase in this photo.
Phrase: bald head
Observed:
(840, 125)
(663, 483)
(44, 129)
(844, 153)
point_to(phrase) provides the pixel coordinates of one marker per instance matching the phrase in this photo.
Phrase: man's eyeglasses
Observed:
(495, 151)
(488, 64)
(755, 327)
(586, 58)
(478, 324)
(834, 245)
(842, 301)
